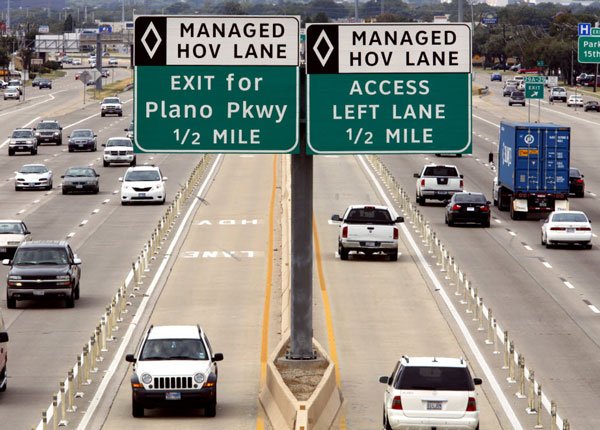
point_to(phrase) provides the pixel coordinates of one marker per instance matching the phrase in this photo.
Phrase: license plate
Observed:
(369, 243)
(80, 146)
(434, 406)
(570, 230)
(38, 293)
(2, 249)
(470, 209)
(21, 147)
(173, 396)
(141, 194)
(440, 192)
(78, 186)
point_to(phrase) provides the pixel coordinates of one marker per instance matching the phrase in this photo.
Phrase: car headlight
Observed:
(146, 378)
(43, 179)
(37, 133)
(56, 133)
(199, 378)
(29, 141)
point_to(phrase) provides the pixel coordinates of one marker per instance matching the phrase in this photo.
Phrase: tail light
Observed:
(462, 183)
(345, 232)
(395, 233)
(472, 405)
(557, 228)
(484, 208)
(456, 207)
(583, 229)
(397, 403)
(422, 182)
(579, 181)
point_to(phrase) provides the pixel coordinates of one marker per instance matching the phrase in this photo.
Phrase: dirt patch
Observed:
(301, 376)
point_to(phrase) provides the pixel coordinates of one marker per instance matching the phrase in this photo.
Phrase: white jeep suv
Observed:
(118, 150)
(175, 366)
(143, 184)
(430, 392)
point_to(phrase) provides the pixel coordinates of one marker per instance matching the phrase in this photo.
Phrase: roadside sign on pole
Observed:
(534, 90)
(225, 84)
(534, 79)
(388, 88)
(85, 77)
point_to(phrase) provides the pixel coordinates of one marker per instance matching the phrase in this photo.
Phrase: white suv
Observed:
(110, 105)
(118, 150)
(175, 366)
(424, 392)
(143, 184)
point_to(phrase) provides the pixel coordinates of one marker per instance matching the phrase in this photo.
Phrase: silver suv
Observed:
(22, 140)
(558, 93)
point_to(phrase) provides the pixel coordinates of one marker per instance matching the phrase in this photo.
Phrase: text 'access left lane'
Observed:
(223, 84)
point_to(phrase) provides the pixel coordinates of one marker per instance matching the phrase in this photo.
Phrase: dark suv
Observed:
(43, 270)
(49, 131)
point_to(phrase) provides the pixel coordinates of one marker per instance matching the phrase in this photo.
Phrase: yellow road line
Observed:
(328, 318)
(264, 348)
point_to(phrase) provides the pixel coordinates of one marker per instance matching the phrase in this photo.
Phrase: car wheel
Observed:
(450, 222)
(123, 203)
(96, 190)
(71, 150)
(105, 163)
(210, 410)
(343, 252)
(588, 246)
(485, 224)
(76, 294)
(94, 149)
(70, 301)
(394, 255)
(11, 303)
(11, 153)
(386, 423)
(34, 151)
(137, 410)
(120, 113)
(102, 114)
(64, 191)
(542, 241)
(133, 163)
(3, 388)
(421, 201)
(59, 142)
(580, 194)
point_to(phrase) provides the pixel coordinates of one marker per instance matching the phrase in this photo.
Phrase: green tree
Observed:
(69, 24)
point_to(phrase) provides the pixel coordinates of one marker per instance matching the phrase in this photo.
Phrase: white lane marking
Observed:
(105, 201)
(26, 125)
(498, 221)
(80, 121)
(568, 285)
(21, 211)
(545, 263)
(36, 201)
(528, 248)
(70, 235)
(115, 192)
(82, 223)
(118, 358)
(512, 233)
(594, 309)
(485, 120)
(46, 160)
(27, 107)
(594, 234)
(95, 211)
(516, 425)
(593, 194)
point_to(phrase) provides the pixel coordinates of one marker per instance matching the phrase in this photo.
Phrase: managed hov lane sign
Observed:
(216, 84)
(389, 88)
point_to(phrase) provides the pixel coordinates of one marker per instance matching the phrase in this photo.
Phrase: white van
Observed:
(3, 355)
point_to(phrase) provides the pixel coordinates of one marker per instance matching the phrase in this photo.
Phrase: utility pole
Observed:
(461, 17)
(381, 13)
(7, 16)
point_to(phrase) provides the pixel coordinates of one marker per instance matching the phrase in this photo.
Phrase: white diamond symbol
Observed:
(323, 37)
(151, 51)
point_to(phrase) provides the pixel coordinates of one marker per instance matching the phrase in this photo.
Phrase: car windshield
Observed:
(440, 171)
(142, 175)
(469, 198)
(80, 172)
(119, 142)
(559, 89)
(569, 217)
(12, 228)
(15, 83)
(112, 100)
(574, 173)
(36, 256)
(435, 378)
(82, 133)
(48, 126)
(33, 169)
(173, 349)
(369, 215)
(22, 133)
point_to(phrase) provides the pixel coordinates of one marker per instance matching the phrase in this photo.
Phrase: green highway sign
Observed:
(588, 49)
(366, 96)
(534, 91)
(534, 79)
(216, 84)
(540, 63)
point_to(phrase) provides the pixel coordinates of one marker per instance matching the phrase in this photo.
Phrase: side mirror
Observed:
(120, 179)
(416, 175)
(3, 337)
(27, 232)
(217, 357)
(104, 144)
(95, 135)
(130, 358)
(77, 261)
(488, 202)
(384, 379)
(165, 178)
(400, 219)
(462, 176)
(477, 381)
(62, 176)
(335, 218)
(60, 128)
(583, 176)
(125, 129)
(97, 175)
(6, 262)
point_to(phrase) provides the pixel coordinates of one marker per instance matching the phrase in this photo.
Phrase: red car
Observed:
(530, 71)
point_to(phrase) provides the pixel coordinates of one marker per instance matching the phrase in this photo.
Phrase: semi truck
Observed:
(533, 168)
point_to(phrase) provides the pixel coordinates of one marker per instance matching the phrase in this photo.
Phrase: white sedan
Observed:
(33, 176)
(575, 100)
(568, 227)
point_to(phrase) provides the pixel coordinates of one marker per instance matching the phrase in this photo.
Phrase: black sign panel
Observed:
(322, 53)
(150, 46)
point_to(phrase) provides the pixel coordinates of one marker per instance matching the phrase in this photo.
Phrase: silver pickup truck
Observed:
(368, 229)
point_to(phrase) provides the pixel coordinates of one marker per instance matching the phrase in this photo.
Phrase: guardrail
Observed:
(528, 387)
(82, 374)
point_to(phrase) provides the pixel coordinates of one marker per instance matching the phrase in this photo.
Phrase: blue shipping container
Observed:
(534, 157)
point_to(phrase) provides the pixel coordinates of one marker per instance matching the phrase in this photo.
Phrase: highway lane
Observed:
(541, 296)
(218, 280)
(380, 310)
(45, 338)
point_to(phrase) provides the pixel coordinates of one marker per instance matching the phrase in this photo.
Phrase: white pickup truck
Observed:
(438, 182)
(368, 229)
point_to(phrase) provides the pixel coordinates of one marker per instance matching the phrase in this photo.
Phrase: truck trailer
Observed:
(533, 168)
